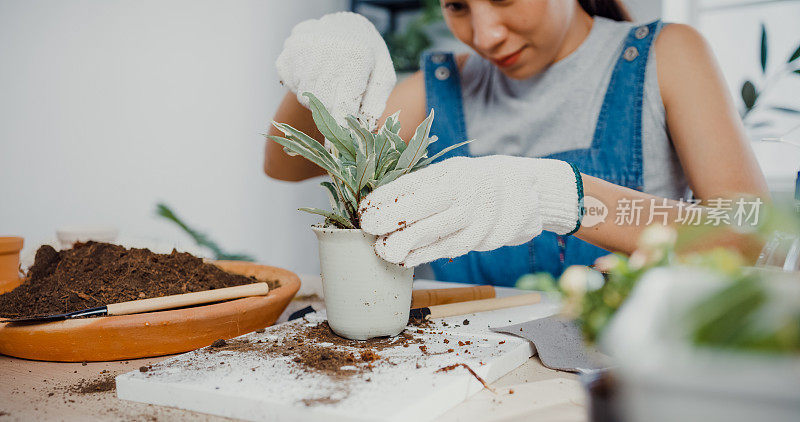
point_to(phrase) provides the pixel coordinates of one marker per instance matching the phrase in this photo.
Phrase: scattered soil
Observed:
(319, 349)
(420, 322)
(99, 385)
(320, 400)
(454, 366)
(219, 343)
(95, 274)
(316, 348)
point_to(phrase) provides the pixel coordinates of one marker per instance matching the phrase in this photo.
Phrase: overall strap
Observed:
(619, 125)
(616, 151)
(443, 95)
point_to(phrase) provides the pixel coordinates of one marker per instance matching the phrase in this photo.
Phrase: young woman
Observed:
(564, 99)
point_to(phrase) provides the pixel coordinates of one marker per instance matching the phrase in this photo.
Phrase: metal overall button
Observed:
(442, 73)
(641, 32)
(438, 58)
(631, 53)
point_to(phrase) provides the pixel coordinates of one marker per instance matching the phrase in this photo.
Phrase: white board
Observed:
(252, 386)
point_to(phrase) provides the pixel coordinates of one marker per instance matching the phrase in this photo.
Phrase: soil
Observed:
(464, 365)
(94, 274)
(305, 347)
(90, 386)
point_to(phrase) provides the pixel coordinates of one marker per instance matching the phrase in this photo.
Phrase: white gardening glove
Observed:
(342, 60)
(464, 204)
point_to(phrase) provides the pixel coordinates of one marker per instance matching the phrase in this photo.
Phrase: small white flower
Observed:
(607, 263)
(657, 236)
(579, 279)
(637, 260)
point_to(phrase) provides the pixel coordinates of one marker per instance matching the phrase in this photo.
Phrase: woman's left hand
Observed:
(464, 204)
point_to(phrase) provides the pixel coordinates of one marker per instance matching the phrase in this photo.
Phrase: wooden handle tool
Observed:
(187, 299)
(471, 307)
(429, 297)
(157, 303)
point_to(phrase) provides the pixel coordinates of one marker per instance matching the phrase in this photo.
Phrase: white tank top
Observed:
(557, 110)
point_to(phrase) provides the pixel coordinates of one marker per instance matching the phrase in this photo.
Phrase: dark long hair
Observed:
(611, 9)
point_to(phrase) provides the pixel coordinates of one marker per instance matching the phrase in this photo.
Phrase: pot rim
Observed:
(331, 229)
(10, 244)
(337, 233)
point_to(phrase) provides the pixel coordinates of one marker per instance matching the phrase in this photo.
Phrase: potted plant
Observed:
(365, 296)
(691, 327)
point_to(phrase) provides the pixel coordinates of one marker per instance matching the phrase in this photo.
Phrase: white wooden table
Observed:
(32, 390)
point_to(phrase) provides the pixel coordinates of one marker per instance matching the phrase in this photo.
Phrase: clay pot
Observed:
(9, 262)
(153, 333)
(365, 296)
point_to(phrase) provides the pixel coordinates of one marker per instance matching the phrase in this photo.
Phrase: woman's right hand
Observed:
(342, 60)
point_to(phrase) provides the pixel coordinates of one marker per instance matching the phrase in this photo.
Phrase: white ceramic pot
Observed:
(365, 296)
(69, 235)
(664, 377)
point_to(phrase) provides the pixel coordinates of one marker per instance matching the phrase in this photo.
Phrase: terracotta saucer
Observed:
(153, 333)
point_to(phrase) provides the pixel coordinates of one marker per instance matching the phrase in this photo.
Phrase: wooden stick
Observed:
(463, 308)
(430, 297)
(187, 299)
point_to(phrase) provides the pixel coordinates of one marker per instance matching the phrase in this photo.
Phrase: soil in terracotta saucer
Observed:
(95, 274)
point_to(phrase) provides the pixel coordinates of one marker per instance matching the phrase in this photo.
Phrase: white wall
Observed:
(733, 29)
(108, 106)
(735, 35)
(645, 10)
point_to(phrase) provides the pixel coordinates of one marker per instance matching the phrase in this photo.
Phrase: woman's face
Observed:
(521, 37)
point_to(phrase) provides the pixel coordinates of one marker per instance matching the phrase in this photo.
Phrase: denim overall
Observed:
(615, 155)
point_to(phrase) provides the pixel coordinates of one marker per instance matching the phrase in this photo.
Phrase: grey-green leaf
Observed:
(366, 138)
(305, 140)
(333, 197)
(364, 171)
(382, 146)
(427, 161)
(397, 142)
(392, 123)
(388, 164)
(338, 219)
(417, 146)
(299, 149)
(309, 155)
(327, 125)
(390, 176)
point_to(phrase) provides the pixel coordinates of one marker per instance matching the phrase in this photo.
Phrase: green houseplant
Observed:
(359, 160)
(365, 296)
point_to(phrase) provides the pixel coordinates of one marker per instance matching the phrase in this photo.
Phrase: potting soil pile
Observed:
(95, 274)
